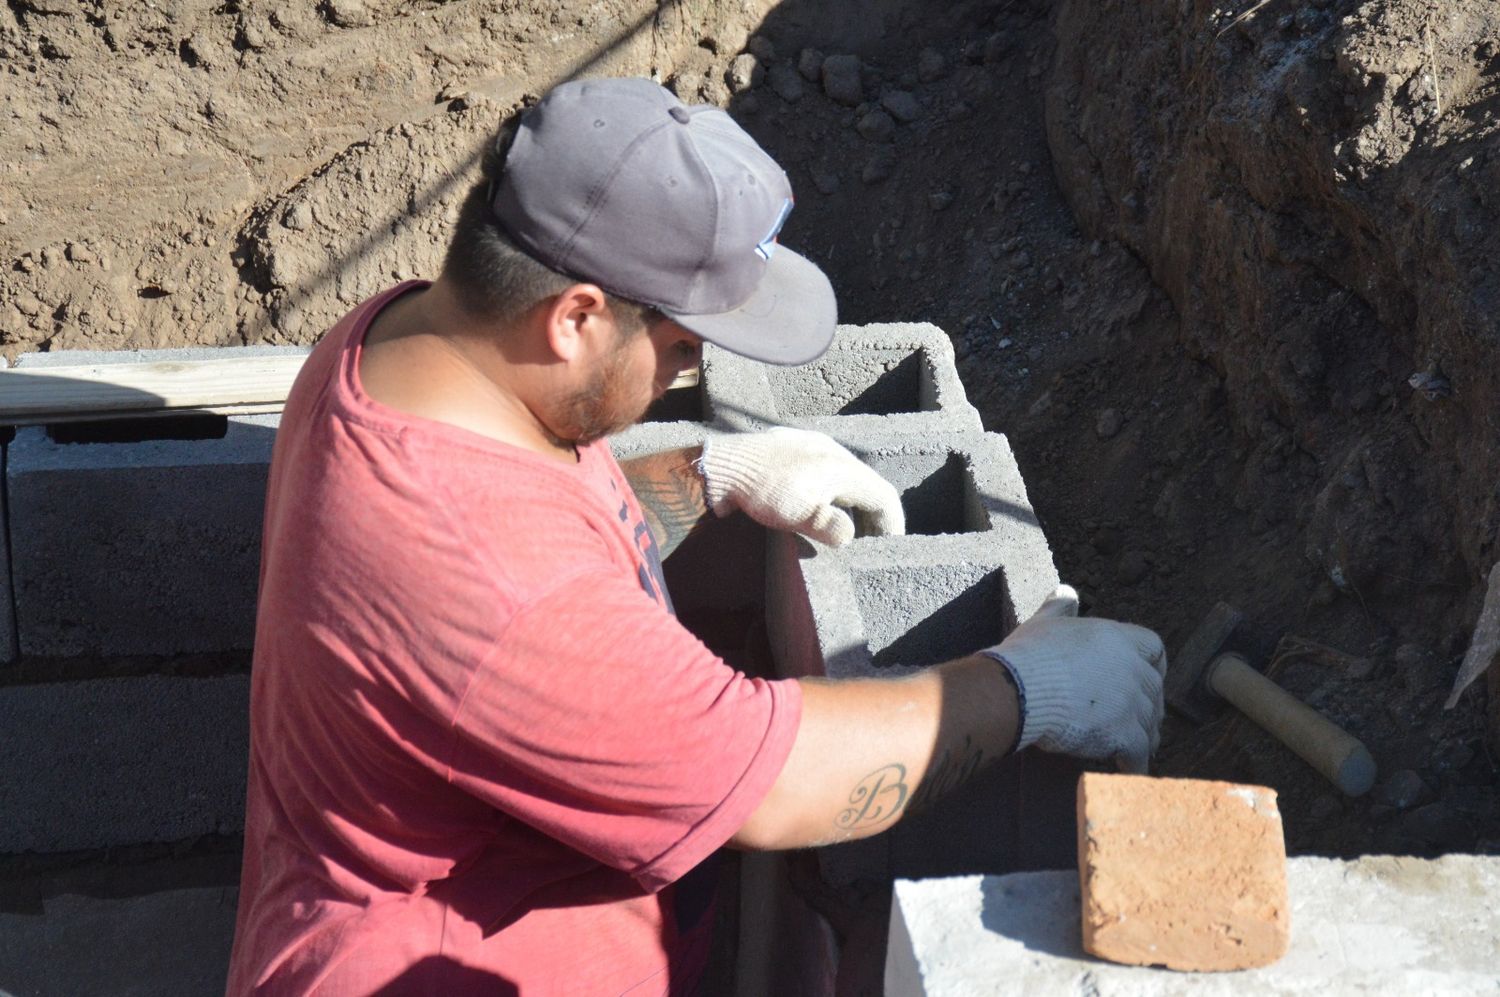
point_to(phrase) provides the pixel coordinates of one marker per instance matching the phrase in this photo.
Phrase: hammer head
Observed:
(1222, 630)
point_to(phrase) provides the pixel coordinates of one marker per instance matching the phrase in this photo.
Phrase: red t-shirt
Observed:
(482, 747)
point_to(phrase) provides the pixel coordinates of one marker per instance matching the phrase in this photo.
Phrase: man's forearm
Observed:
(870, 751)
(670, 491)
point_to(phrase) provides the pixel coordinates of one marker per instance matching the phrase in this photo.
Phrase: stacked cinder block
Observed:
(973, 564)
(890, 393)
(106, 762)
(134, 547)
(875, 380)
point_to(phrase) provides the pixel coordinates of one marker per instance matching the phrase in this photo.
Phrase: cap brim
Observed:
(788, 320)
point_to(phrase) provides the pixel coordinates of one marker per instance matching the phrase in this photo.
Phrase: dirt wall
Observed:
(1316, 187)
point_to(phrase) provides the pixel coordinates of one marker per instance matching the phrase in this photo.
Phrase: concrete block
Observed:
(973, 564)
(144, 539)
(169, 942)
(898, 378)
(885, 379)
(1375, 925)
(107, 762)
(139, 547)
(1184, 873)
(653, 437)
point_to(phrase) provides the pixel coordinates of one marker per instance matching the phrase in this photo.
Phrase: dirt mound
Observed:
(1314, 191)
(205, 173)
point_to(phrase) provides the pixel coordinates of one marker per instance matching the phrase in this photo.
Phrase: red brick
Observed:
(1183, 873)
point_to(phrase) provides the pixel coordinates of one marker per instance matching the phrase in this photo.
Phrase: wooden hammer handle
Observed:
(1320, 742)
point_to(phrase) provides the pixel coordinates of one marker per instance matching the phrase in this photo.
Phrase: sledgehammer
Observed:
(1211, 667)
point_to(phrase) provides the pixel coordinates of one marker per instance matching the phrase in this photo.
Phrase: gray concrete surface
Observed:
(653, 437)
(894, 378)
(138, 548)
(119, 761)
(1377, 925)
(169, 944)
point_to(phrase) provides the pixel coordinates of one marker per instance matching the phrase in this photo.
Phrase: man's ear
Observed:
(575, 320)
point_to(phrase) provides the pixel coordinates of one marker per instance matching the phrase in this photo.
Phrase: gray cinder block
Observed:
(897, 378)
(144, 545)
(111, 944)
(108, 762)
(653, 437)
(973, 564)
(148, 548)
(883, 380)
(1378, 924)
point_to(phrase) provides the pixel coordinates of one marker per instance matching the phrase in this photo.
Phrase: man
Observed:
(485, 756)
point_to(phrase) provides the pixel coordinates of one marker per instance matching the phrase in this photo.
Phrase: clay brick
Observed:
(1183, 873)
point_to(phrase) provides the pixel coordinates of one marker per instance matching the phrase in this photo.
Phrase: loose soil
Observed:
(1222, 275)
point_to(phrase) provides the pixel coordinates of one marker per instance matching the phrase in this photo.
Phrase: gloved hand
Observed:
(1091, 688)
(796, 479)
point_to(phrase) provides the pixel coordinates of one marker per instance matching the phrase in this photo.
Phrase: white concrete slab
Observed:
(1377, 925)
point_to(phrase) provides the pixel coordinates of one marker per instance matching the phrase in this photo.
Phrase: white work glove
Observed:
(1087, 687)
(796, 479)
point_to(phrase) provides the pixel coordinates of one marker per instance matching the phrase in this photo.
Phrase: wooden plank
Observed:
(48, 394)
(60, 418)
(238, 386)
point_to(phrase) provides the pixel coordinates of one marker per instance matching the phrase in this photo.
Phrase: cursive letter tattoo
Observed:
(878, 797)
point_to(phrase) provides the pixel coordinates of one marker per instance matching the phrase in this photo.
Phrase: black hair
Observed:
(493, 276)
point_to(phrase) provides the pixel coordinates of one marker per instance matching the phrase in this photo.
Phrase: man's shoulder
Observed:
(324, 368)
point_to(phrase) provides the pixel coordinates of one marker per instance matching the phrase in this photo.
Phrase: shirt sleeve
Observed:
(602, 722)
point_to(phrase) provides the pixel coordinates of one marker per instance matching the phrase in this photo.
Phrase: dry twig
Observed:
(1242, 17)
(1432, 67)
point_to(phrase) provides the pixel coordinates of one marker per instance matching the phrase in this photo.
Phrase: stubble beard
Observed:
(594, 412)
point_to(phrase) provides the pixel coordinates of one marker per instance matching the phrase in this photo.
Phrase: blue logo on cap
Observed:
(767, 246)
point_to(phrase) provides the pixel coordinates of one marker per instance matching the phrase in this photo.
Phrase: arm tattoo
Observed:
(880, 796)
(952, 769)
(670, 491)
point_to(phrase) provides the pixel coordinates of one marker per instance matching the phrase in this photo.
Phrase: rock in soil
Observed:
(841, 79)
(785, 82)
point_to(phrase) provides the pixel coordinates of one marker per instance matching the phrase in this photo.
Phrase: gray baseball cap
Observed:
(618, 183)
